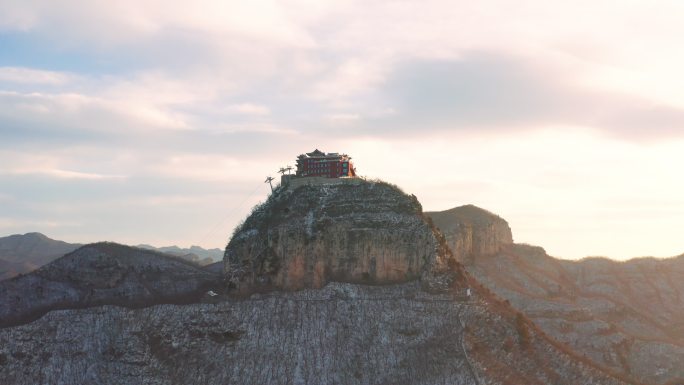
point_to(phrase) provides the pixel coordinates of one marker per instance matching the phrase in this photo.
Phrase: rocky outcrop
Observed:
(103, 273)
(367, 232)
(340, 334)
(471, 232)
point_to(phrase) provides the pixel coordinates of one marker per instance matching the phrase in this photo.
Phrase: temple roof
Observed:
(316, 152)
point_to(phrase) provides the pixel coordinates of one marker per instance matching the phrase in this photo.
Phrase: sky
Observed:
(144, 121)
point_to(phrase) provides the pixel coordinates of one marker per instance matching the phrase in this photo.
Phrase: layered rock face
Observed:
(369, 232)
(103, 273)
(471, 232)
(341, 334)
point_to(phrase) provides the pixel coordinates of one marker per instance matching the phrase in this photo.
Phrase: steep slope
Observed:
(102, 273)
(623, 315)
(340, 334)
(366, 232)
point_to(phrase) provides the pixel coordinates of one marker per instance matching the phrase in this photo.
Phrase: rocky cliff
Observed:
(472, 232)
(369, 232)
(103, 273)
(340, 334)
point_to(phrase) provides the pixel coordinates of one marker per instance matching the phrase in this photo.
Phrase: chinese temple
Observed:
(327, 165)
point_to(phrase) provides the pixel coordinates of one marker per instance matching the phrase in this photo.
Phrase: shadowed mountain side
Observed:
(23, 253)
(99, 274)
(215, 268)
(340, 334)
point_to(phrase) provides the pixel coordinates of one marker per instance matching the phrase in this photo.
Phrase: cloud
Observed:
(33, 76)
(494, 92)
(66, 174)
(128, 20)
(73, 111)
(179, 108)
(302, 66)
(249, 109)
(53, 165)
(479, 89)
(342, 118)
(10, 224)
(642, 120)
(204, 167)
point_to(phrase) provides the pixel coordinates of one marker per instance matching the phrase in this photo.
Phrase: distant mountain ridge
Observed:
(33, 247)
(23, 253)
(194, 253)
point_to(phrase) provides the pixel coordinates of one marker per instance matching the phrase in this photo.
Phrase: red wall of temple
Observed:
(329, 169)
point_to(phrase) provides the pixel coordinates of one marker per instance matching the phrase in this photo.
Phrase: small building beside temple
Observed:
(320, 164)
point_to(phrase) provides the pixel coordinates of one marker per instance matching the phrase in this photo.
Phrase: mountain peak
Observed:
(364, 232)
(28, 251)
(35, 235)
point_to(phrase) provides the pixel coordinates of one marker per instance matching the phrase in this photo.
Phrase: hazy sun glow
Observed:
(157, 122)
